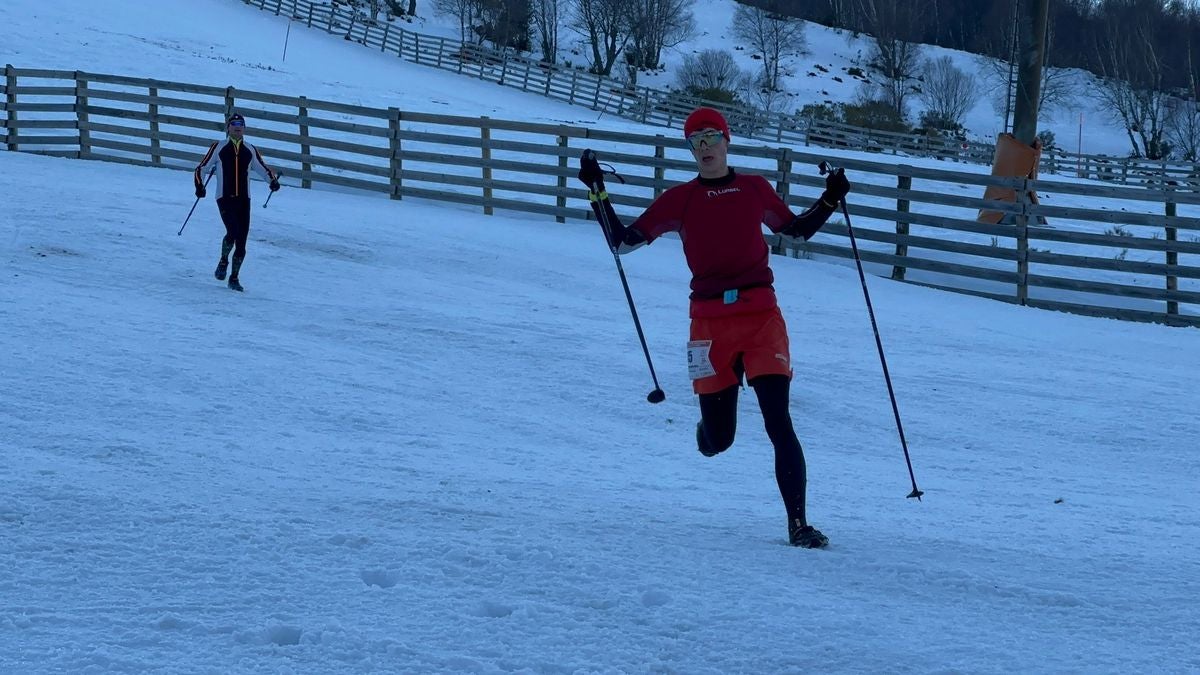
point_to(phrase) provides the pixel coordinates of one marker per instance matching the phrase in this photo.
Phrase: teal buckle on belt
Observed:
(731, 296)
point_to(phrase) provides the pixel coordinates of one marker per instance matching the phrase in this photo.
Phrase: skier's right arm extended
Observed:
(211, 159)
(621, 239)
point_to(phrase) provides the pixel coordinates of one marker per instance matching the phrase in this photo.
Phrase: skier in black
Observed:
(231, 161)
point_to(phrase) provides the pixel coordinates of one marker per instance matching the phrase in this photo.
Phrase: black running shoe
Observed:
(234, 285)
(806, 536)
(220, 272)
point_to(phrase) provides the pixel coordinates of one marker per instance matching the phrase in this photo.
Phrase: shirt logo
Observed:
(722, 191)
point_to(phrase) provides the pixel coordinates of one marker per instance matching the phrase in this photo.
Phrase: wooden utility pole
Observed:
(1032, 40)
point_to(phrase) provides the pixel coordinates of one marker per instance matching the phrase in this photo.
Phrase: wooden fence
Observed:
(1123, 252)
(669, 109)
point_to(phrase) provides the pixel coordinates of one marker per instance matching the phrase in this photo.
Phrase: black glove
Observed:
(836, 187)
(590, 172)
(274, 185)
(200, 192)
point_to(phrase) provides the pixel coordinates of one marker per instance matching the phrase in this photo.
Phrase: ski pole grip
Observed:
(826, 167)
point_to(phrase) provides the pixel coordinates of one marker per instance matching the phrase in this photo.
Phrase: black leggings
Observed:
(719, 413)
(235, 213)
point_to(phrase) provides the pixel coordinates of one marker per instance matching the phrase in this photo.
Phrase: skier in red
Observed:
(737, 330)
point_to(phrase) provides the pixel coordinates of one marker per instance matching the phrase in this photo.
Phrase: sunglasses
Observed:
(709, 138)
(237, 124)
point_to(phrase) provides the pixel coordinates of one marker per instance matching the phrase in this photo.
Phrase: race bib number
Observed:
(699, 365)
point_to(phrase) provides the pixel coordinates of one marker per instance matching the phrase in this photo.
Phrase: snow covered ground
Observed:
(419, 441)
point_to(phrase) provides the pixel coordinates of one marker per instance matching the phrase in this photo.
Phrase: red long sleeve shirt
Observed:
(720, 224)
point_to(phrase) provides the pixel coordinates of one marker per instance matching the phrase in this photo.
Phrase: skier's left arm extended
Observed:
(621, 239)
(260, 167)
(810, 221)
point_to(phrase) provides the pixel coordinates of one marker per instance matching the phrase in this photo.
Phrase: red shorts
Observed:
(760, 338)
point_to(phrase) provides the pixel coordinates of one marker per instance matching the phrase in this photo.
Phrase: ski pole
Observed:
(656, 396)
(916, 493)
(277, 177)
(189, 215)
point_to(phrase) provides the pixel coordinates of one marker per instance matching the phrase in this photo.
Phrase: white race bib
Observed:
(697, 358)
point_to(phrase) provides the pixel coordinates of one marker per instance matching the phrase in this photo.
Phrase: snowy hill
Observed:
(419, 441)
(826, 73)
(249, 50)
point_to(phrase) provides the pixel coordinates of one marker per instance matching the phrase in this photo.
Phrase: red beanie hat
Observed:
(705, 118)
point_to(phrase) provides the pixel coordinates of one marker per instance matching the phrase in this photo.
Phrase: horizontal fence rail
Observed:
(1084, 247)
(669, 108)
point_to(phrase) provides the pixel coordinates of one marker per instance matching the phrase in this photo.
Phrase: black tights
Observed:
(719, 413)
(235, 214)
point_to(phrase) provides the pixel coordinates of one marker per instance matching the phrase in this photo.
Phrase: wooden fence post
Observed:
(310, 13)
(574, 79)
(397, 162)
(784, 165)
(561, 200)
(1022, 227)
(904, 184)
(783, 187)
(387, 28)
(155, 144)
(229, 104)
(305, 146)
(485, 137)
(10, 77)
(660, 152)
(1172, 260)
(81, 116)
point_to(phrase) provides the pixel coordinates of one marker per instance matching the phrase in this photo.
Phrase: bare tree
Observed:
(947, 91)
(547, 16)
(774, 36)
(1141, 111)
(895, 55)
(1132, 73)
(999, 75)
(505, 23)
(657, 25)
(708, 72)
(605, 25)
(468, 13)
(998, 78)
(1183, 129)
(1183, 118)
